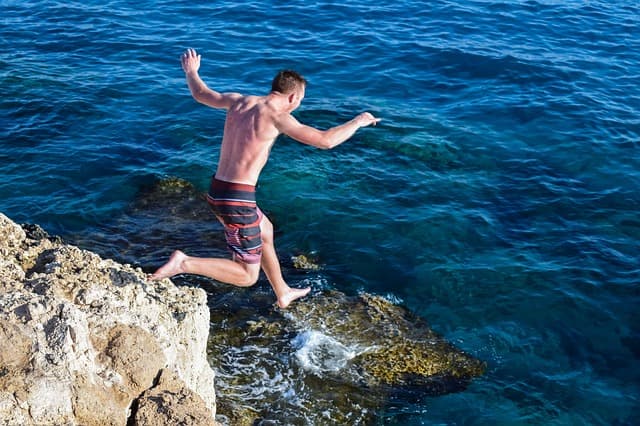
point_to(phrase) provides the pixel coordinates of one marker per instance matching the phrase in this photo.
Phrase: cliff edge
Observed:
(88, 341)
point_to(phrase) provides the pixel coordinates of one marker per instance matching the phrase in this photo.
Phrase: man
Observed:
(252, 125)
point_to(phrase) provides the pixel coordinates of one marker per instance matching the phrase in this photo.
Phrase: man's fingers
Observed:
(189, 53)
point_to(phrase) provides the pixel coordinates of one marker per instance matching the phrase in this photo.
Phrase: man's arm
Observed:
(199, 90)
(323, 139)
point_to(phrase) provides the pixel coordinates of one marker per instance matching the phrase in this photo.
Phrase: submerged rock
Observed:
(302, 261)
(393, 348)
(178, 198)
(88, 341)
(330, 359)
(166, 214)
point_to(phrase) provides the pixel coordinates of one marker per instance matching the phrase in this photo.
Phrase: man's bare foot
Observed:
(171, 268)
(291, 295)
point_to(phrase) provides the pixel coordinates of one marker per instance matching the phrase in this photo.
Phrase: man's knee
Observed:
(266, 230)
(251, 276)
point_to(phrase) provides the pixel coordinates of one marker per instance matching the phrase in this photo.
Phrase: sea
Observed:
(498, 198)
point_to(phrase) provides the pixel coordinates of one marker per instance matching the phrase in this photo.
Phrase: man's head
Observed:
(291, 84)
(287, 81)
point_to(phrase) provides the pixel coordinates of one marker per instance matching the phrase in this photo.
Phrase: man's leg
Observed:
(271, 267)
(223, 270)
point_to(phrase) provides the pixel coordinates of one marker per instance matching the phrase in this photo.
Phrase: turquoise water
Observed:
(498, 199)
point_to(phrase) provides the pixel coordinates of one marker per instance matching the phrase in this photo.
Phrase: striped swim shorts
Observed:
(234, 204)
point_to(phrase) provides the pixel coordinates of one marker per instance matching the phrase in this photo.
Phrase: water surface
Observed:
(498, 198)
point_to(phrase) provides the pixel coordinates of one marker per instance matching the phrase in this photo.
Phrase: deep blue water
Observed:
(498, 199)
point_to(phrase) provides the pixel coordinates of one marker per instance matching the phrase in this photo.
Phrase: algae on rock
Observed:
(396, 348)
(336, 355)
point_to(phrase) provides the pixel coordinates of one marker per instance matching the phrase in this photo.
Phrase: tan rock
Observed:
(134, 354)
(81, 337)
(15, 352)
(104, 407)
(172, 403)
(11, 237)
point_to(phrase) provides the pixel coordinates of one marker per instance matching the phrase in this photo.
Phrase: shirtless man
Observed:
(252, 125)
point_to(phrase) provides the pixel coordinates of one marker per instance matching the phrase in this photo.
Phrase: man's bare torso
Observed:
(249, 134)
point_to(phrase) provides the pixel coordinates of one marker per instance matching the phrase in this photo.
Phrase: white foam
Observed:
(319, 353)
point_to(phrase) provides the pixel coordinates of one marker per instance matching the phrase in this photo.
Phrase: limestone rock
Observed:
(170, 402)
(82, 338)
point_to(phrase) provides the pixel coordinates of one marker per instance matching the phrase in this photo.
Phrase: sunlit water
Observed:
(498, 199)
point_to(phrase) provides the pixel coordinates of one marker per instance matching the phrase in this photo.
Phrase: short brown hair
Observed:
(286, 81)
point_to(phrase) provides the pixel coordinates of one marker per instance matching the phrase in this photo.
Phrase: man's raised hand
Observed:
(190, 61)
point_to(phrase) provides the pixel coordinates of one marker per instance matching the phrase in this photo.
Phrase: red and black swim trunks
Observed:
(234, 204)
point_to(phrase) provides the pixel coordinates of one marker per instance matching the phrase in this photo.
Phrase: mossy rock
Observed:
(398, 348)
(302, 261)
(178, 198)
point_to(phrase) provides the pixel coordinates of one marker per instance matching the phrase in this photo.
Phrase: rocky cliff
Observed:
(88, 341)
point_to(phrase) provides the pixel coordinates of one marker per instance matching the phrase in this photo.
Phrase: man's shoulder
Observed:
(234, 97)
(248, 100)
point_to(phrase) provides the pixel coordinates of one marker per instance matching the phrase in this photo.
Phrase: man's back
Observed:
(249, 133)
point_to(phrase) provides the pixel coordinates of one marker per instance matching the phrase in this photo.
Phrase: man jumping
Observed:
(252, 125)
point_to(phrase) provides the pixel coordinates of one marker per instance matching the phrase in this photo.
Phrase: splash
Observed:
(320, 353)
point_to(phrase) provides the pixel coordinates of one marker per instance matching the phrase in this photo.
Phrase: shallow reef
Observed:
(336, 356)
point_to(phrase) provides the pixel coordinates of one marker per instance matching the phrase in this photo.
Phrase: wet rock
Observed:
(237, 414)
(35, 232)
(391, 347)
(82, 338)
(338, 359)
(302, 261)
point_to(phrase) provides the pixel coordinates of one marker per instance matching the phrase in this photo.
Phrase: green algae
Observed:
(302, 261)
(400, 348)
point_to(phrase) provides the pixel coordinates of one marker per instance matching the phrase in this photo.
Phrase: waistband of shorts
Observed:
(223, 185)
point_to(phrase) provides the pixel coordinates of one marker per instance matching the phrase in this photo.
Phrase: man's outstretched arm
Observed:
(199, 90)
(323, 139)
